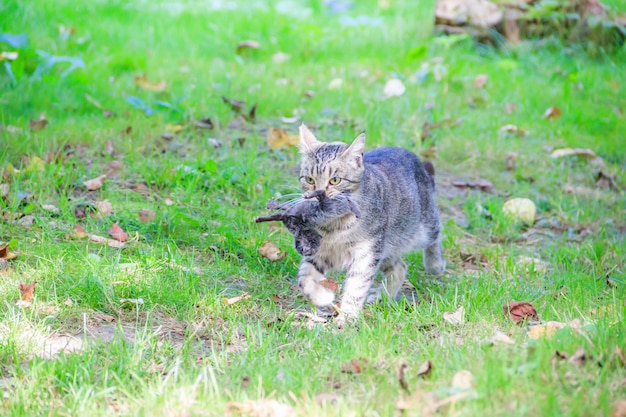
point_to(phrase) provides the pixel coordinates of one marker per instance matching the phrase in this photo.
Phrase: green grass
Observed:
(183, 351)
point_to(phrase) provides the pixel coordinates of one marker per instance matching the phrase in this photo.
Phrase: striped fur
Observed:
(398, 214)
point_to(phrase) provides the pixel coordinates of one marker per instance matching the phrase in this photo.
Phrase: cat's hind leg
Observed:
(309, 278)
(433, 258)
(394, 272)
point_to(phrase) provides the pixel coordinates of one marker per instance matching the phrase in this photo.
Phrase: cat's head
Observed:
(333, 167)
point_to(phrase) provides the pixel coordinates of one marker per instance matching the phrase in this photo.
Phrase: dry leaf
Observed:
(26, 221)
(233, 300)
(168, 201)
(68, 302)
(247, 44)
(261, 408)
(5, 255)
(579, 357)
(402, 377)
(103, 317)
(425, 369)
(480, 184)
(463, 380)
(456, 318)
(104, 207)
(49, 310)
(27, 291)
(51, 208)
(547, 330)
(278, 137)
(552, 113)
(270, 251)
(578, 152)
(520, 311)
(112, 243)
(79, 232)
(204, 123)
(394, 88)
(214, 142)
(352, 367)
(480, 80)
(500, 337)
(38, 124)
(96, 183)
(146, 215)
(116, 232)
(329, 284)
(520, 209)
(142, 81)
(4, 190)
(140, 188)
(513, 130)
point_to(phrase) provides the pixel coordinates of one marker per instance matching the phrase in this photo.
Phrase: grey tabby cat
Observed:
(399, 214)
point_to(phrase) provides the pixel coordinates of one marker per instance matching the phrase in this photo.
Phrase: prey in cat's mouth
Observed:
(303, 219)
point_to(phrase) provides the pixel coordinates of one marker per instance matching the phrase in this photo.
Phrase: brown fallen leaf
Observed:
(238, 106)
(5, 254)
(104, 207)
(40, 124)
(95, 184)
(552, 113)
(233, 300)
(402, 378)
(501, 338)
(548, 329)
(352, 367)
(116, 232)
(605, 180)
(247, 44)
(479, 184)
(205, 123)
(140, 188)
(4, 190)
(79, 232)
(329, 284)
(579, 357)
(456, 318)
(277, 138)
(27, 291)
(146, 215)
(480, 80)
(424, 369)
(513, 129)
(270, 251)
(142, 82)
(103, 317)
(110, 242)
(520, 311)
(580, 153)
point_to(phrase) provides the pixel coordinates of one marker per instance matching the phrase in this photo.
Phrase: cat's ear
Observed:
(356, 149)
(308, 141)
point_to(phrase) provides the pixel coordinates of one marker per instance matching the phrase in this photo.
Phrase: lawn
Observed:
(180, 103)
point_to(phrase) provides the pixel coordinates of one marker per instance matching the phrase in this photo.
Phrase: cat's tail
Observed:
(430, 168)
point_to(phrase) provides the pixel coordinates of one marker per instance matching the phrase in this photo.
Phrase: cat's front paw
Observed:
(319, 295)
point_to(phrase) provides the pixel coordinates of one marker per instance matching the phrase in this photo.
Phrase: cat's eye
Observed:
(334, 181)
(310, 180)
